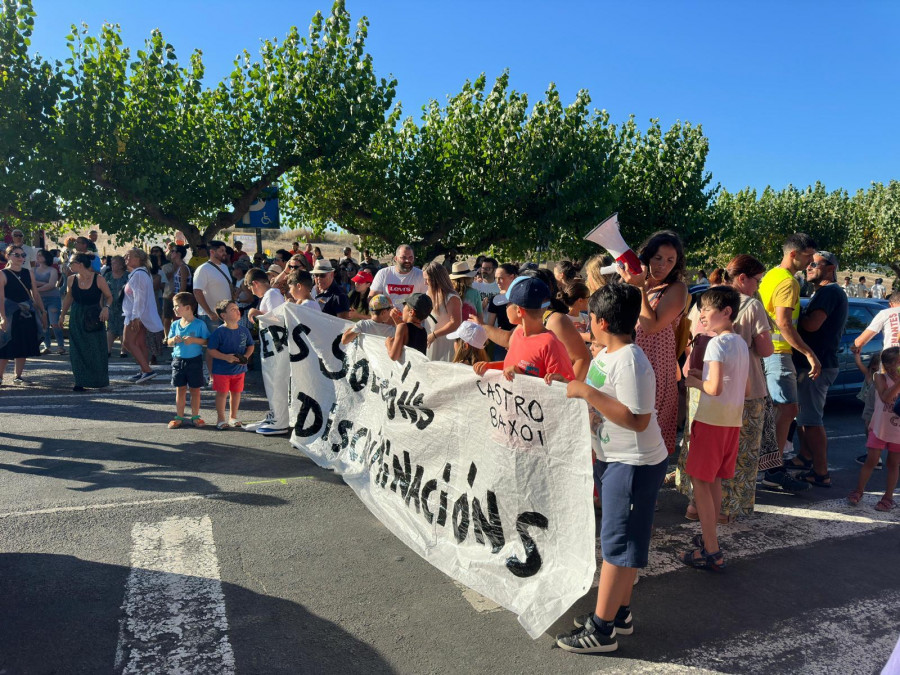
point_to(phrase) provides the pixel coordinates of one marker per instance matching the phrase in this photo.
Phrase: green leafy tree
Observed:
(874, 232)
(29, 87)
(663, 183)
(149, 149)
(481, 173)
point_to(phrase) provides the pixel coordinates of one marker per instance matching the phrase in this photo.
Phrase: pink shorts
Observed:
(875, 443)
(225, 383)
(713, 451)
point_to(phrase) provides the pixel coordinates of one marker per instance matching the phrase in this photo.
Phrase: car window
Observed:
(858, 317)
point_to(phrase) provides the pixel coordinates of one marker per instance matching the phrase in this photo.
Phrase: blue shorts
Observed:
(629, 500)
(812, 395)
(781, 378)
(188, 372)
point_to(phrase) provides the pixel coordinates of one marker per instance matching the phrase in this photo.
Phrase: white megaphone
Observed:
(607, 235)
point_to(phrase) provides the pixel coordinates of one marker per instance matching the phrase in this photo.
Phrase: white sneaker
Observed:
(269, 430)
(253, 426)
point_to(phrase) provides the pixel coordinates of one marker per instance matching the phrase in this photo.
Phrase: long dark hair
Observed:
(664, 238)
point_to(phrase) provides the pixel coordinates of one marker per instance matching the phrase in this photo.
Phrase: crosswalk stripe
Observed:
(174, 608)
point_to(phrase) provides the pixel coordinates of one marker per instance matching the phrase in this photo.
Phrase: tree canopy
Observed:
(138, 144)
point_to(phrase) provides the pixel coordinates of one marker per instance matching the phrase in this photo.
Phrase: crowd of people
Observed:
(738, 366)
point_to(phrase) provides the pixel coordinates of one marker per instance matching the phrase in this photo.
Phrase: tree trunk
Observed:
(895, 265)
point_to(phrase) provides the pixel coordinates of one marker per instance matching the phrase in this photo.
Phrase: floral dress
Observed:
(660, 350)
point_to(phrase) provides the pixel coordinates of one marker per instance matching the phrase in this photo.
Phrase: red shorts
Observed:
(226, 383)
(875, 443)
(713, 451)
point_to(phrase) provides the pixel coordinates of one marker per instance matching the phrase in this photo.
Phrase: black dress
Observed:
(26, 338)
(87, 350)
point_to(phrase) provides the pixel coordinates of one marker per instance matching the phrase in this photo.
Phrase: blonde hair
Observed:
(440, 286)
(142, 257)
(591, 271)
(466, 353)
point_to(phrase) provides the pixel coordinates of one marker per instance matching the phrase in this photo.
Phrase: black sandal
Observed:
(813, 478)
(714, 562)
(804, 465)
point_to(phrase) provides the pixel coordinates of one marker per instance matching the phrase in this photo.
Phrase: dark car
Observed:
(859, 315)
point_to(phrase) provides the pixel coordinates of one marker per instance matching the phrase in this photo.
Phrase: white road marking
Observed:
(174, 607)
(108, 505)
(840, 438)
(772, 528)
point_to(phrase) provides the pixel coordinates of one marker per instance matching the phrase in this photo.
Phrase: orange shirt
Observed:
(538, 354)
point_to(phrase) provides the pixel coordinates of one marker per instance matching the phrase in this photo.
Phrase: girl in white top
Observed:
(884, 432)
(447, 314)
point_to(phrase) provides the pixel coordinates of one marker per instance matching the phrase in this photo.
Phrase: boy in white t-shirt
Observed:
(716, 429)
(269, 297)
(300, 284)
(632, 462)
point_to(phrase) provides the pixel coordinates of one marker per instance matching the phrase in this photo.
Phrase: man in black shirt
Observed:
(329, 294)
(821, 326)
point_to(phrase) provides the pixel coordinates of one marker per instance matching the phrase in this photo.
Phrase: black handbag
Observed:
(91, 320)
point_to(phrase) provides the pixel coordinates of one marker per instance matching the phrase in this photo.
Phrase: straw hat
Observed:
(461, 270)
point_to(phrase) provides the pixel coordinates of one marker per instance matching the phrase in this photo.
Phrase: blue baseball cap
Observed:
(529, 293)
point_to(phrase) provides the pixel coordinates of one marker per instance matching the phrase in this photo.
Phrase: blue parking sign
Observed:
(263, 212)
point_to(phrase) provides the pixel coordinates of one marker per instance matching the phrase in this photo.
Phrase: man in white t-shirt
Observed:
(401, 280)
(878, 290)
(886, 322)
(212, 284)
(488, 287)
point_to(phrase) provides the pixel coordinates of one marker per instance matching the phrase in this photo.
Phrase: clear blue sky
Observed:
(787, 92)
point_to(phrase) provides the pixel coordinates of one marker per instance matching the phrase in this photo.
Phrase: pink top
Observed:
(885, 424)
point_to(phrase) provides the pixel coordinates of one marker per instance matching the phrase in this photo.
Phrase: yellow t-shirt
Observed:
(779, 288)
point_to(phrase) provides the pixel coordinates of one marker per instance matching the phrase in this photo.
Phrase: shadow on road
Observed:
(62, 615)
(164, 467)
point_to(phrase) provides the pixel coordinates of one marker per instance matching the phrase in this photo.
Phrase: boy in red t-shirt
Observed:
(533, 350)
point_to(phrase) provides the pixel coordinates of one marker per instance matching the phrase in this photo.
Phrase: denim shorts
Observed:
(629, 499)
(812, 396)
(188, 372)
(781, 378)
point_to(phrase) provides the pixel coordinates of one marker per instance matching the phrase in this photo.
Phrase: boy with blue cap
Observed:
(533, 350)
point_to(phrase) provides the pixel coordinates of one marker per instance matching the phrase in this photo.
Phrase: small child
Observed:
(716, 429)
(533, 350)
(382, 324)
(867, 395)
(632, 462)
(269, 297)
(884, 432)
(300, 285)
(187, 337)
(230, 346)
(409, 332)
(470, 341)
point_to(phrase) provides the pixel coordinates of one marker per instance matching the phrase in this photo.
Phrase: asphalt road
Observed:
(111, 525)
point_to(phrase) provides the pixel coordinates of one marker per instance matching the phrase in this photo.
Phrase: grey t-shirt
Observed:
(372, 327)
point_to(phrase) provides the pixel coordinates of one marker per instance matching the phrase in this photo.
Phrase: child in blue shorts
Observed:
(187, 337)
(632, 459)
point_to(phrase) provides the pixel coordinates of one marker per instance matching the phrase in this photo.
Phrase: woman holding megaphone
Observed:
(664, 295)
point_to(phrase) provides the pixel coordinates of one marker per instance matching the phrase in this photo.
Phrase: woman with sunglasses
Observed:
(20, 306)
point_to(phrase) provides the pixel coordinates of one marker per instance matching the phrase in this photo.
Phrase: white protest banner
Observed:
(273, 356)
(488, 480)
